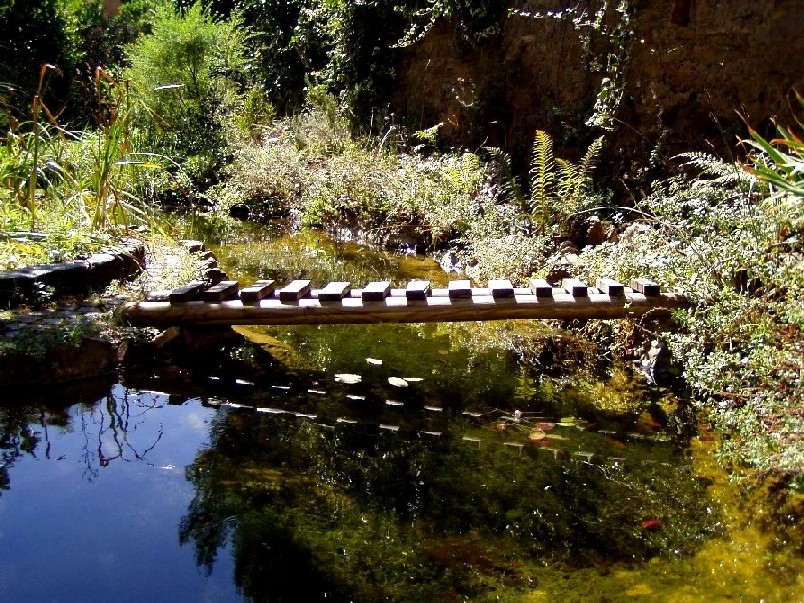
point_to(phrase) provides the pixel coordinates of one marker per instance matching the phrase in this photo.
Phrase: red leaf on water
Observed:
(546, 426)
(650, 524)
(539, 442)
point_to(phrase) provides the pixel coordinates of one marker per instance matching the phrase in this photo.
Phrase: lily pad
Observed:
(374, 361)
(414, 379)
(397, 381)
(348, 378)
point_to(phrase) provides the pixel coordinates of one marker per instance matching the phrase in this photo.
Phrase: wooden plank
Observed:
(610, 287)
(294, 290)
(418, 289)
(254, 293)
(459, 289)
(399, 310)
(335, 291)
(221, 291)
(541, 288)
(575, 287)
(646, 287)
(187, 293)
(501, 288)
(376, 291)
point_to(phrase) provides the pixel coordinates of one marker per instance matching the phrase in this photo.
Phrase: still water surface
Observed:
(401, 463)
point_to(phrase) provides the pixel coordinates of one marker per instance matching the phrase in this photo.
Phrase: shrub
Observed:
(189, 72)
(736, 250)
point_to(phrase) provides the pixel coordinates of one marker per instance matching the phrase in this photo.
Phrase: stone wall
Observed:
(688, 66)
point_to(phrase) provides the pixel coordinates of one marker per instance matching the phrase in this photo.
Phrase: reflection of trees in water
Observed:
(23, 427)
(107, 427)
(353, 513)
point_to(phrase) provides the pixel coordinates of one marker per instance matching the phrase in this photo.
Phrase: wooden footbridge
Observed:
(266, 303)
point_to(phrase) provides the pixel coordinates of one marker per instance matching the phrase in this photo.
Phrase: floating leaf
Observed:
(397, 381)
(413, 379)
(546, 426)
(554, 436)
(567, 420)
(536, 435)
(374, 361)
(615, 443)
(348, 378)
(650, 524)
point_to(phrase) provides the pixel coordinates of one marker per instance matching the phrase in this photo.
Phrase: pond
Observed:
(432, 462)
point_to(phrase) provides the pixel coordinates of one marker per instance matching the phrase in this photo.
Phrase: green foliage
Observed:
(558, 187)
(32, 34)
(737, 253)
(780, 161)
(310, 164)
(351, 48)
(101, 41)
(189, 72)
(69, 187)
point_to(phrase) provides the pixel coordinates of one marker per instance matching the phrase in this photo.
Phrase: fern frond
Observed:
(588, 162)
(542, 171)
(713, 169)
(568, 181)
(509, 189)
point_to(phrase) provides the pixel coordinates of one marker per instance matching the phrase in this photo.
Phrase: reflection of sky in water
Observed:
(93, 514)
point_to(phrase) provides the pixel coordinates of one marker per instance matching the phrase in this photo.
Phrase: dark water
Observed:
(372, 463)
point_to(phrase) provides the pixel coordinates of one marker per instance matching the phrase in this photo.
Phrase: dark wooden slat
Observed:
(610, 287)
(459, 289)
(501, 288)
(646, 287)
(221, 291)
(254, 293)
(294, 290)
(418, 289)
(575, 287)
(541, 288)
(187, 293)
(376, 291)
(335, 291)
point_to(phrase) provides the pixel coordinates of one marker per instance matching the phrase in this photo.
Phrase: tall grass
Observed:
(70, 187)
